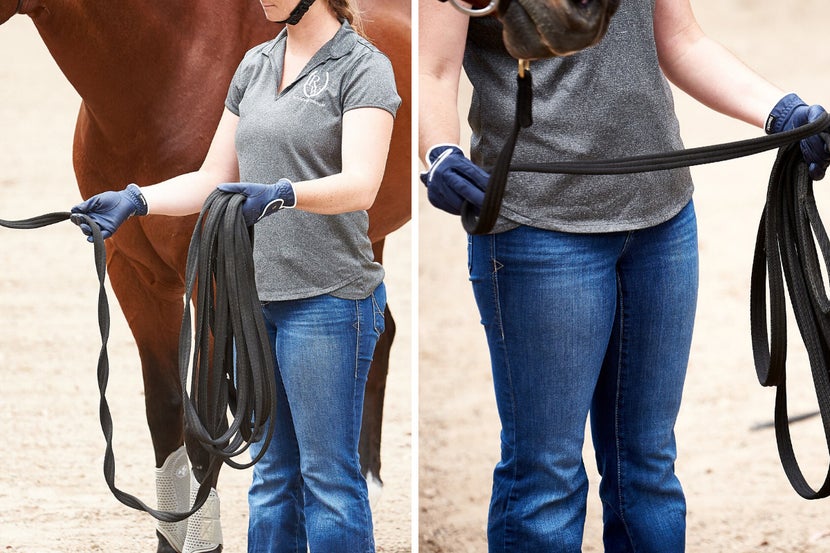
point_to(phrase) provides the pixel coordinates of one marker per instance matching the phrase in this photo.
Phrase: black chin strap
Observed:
(298, 12)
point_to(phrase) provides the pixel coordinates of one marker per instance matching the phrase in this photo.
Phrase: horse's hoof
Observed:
(164, 545)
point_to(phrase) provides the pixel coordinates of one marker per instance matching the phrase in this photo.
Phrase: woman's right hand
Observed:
(109, 210)
(262, 200)
(452, 179)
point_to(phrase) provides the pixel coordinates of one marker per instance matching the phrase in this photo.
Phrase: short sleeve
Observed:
(371, 83)
(241, 78)
(235, 92)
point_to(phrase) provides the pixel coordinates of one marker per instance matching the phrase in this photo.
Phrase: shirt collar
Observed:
(343, 42)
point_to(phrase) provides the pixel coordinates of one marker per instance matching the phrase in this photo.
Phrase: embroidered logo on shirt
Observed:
(315, 84)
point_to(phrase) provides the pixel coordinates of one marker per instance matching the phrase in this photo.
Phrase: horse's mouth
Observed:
(533, 30)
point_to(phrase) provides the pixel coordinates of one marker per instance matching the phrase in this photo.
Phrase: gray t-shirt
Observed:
(610, 100)
(297, 135)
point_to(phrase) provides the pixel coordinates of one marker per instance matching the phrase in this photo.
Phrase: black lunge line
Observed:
(233, 366)
(493, 195)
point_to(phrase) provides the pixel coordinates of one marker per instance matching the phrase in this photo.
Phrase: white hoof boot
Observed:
(173, 493)
(375, 487)
(204, 529)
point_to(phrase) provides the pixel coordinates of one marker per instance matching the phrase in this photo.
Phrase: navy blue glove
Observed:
(792, 112)
(453, 179)
(262, 199)
(109, 210)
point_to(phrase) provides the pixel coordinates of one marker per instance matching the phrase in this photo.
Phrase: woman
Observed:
(587, 287)
(311, 113)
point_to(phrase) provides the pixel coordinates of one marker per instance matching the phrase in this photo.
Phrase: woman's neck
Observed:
(317, 27)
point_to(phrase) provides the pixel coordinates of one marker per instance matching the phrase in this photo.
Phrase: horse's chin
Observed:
(532, 30)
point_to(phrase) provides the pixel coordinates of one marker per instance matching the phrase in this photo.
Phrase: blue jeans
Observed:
(579, 324)
(307, 490)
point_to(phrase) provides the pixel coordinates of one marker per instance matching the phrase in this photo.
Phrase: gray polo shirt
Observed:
(608, 101)
(297, 135)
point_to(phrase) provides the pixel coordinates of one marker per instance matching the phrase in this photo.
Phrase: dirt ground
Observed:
(738, 497)
(52, 493)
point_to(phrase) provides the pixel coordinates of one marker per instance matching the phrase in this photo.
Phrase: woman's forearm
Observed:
(181, 195)
(716, 78)
(443, 32)
(367, 133)
(706, 70)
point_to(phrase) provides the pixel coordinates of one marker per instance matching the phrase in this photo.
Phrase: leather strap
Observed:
(483, 223)
(496, 185)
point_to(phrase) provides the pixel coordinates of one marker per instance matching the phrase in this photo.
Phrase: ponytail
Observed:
(345, 10)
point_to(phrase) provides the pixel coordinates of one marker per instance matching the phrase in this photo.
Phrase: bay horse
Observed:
(536, 29)
(152, 78)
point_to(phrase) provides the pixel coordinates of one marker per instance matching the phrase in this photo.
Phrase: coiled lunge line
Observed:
(788, 232)
(236, 371)
(233, 367)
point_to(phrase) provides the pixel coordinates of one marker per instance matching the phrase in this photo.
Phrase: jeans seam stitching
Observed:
(356, 439)
(617, 409)
(498, 316)
(357, 338)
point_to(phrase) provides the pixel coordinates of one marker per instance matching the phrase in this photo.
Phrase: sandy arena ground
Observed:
(52, 493)
(738, 497)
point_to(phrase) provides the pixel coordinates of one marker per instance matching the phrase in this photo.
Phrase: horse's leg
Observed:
(370, 433)
(204, 529)
(152, 305)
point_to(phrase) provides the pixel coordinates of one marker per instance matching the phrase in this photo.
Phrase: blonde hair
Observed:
(344, 9)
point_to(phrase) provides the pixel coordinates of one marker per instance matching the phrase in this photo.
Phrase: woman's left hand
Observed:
(792, 112)
(262, 199)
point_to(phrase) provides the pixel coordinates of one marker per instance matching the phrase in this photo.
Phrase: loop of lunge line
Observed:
(233, 366)
(785, 252)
